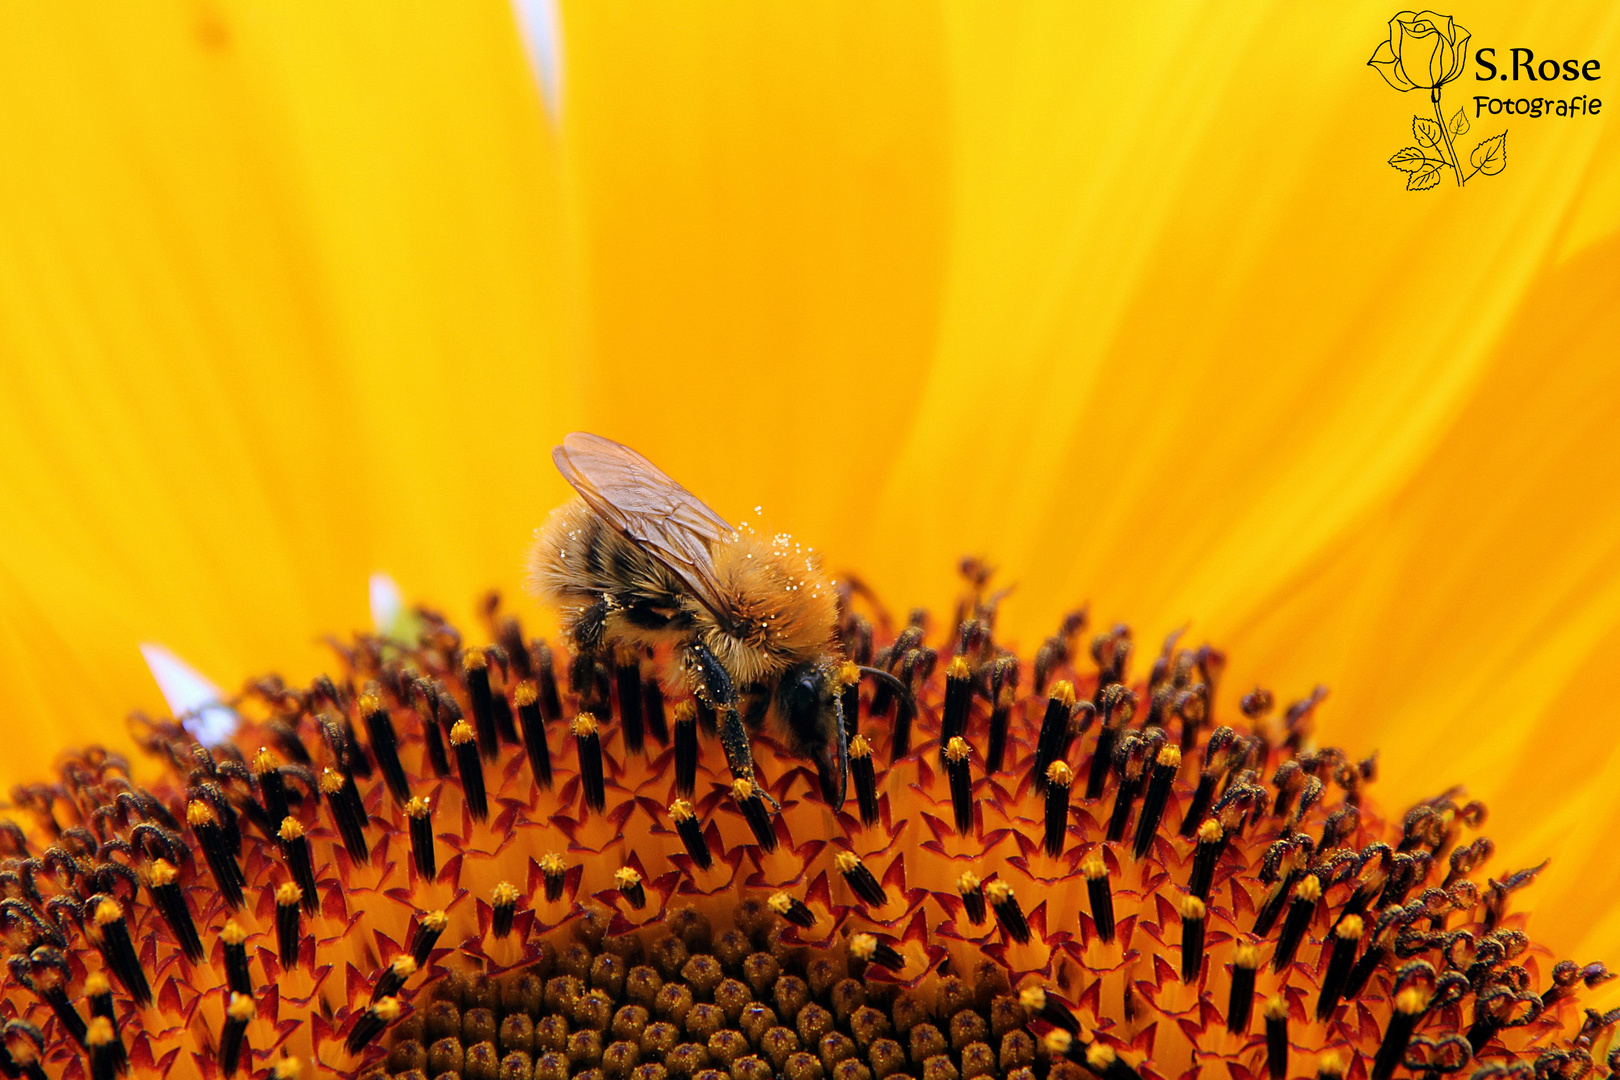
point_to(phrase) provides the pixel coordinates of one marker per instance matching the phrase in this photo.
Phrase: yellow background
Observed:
(1124, 297)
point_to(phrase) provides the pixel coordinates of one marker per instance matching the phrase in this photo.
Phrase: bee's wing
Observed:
(651, 510)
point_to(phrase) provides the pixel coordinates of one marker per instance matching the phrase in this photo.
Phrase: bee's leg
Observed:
(722, 693)
(588, 630)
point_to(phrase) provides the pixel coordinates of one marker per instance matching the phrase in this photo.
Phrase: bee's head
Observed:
(808, 701)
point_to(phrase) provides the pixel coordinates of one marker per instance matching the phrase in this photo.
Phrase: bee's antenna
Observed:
(901, 691)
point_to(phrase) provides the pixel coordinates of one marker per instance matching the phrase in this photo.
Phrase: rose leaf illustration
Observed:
(1490, 156)
(1425, 178)
(1459, 123)
(1426, 131)
(1410, 159)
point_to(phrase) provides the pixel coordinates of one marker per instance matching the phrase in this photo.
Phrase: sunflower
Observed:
(1106, 296)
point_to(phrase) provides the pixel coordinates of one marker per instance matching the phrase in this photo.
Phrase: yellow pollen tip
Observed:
(968, 882)
(859, 747)
(504, 894)
(680, 810)
(369, 703)
(1094, 868)
(743, 789)
(1210, 832)
(1170, 757)
(461, 733)
(108, 911)
(233, 933)
(1412, 1000)
(956, 749)
(404, 965)
(1276, 1008)
(386, 1009)
(96, 984)
(331, 782)
(849, 673)
(1057, 1041)
(1349, 927)
(685, 712)
(780, 902)
(1063, 694)
(417, 807)
(525, 694)
(161, 872)
(1246, 956)
(998, 891)
(862, 946)
(288, 1069)
(1099, 1056)
(1309, 889)
(100, 1031)
(584, 724)
(436, 921)
(1330, 1063)
(1060, 774)
(1191, 908)
(474, 660)
(264, 762)
(290, 829)
(552, 863)
(241, 1007)
(199, 813)
(626, 877)
(958, 671)
(1032, 997)
(846, 861)
(288, 894)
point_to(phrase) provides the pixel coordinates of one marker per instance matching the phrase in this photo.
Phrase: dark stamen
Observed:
(1240, 1005)
(1192, 938)
(98, 992)
(792, 909)
(272, 787)
(554, 874)
(1054, 728)
(690, 830)
(503, 908)
(627, 681)
(754, 812)
(295, 851)
(471, 767)
(1003, 681)
(686, 748)
(961, 784)
(630, 887)
(1341, 959)
(289, 898)
(1300, 910)
(420, 813)
(1115, 705)
(860, 879)
(1206, 855)
(546, 681)
(1277, 1038)
(527, 700)
(234, 940)
(106, 1052)
(45, 971)
(1047, 1007)
(1008, 911)
(1102, 1060)
(385, 745)
(863, 769)
(392, 979)
(589, 745)
(1059, 782)
(475, 669)
(170, 900)
(958, 696)
(849, 683)
(425, 936)
(119, 950)
(971, 889)
(217, 851)
(1165, 767)
(1101, 895)
(349, 825)
(233, 1045)
(869, 948)
(1410, 1005)
(1217, 751)
(378, 1015)
(652, 703)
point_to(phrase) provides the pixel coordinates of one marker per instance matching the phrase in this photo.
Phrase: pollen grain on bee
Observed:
(608, 920)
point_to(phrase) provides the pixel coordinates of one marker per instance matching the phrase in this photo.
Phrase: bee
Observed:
(639, 562)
